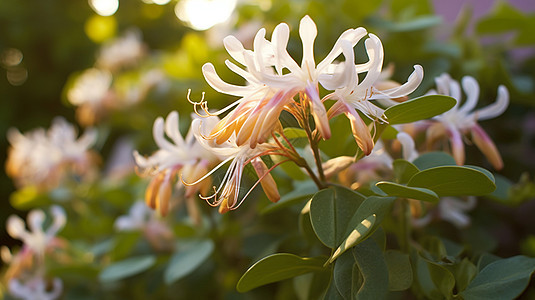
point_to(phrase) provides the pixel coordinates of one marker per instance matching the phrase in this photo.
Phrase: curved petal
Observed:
(219, 85)
(308, 33)
(375, 52)
(158, 134)
(279, 39)
(497, 108)
(471, 89)
(408, 146)
(457, 146)
(234, 48)
(351, 35)
(408, 87)
(345, 76)
(171, 128)
(318, 111)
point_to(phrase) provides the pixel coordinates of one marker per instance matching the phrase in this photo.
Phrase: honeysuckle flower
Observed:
(174, 156)
(121, 52)
(36, 288)
(451, 209)
(273, 80)
(378, 164)
(37, 239)
(227, 195)
(40, 157)
(353, 96)
(463, 119)
(141, 218)
(92, 94)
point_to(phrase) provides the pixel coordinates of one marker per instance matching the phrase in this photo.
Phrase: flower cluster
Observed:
(42, 157)
(26, 275)
(110, 84)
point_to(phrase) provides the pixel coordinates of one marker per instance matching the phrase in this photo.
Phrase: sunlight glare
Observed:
(203, 14)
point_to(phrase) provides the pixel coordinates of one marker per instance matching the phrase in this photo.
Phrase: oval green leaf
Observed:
(434, 159)
(420, 108)
(453, 181)
(399, 270)
(127, 267)
(398, 190)
(186, 260)
(404, 170)
(330, 212)
(277, 267)
(372, 265)
(502, 279)
(356, 236)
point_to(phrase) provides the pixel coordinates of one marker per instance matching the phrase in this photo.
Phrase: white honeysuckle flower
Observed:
(137, 218)
(370, 168)
(37, 239)
(227, 195)
(141, 218)
(122, 52)
(39, 157)
(451, 209)
(174, 155)
(462, 119)
(353, 96)
(274, 78)
(36, 288)
(91, 88)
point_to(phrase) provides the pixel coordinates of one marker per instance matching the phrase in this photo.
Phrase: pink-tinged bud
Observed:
(457, 145)
(193, 210)
(318, 111)
(361, 133)
(152, 190)
(224, 206)
(247, 128)
(487, 146)
(268, 183)
(336, 165)
(164, 194)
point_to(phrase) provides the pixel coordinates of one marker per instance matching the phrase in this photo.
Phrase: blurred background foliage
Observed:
(45, 45)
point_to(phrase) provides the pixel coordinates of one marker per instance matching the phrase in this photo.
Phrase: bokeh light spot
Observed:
(99, 28)
(104, 7)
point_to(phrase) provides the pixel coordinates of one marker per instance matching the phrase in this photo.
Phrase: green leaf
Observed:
(128, 267)
(453, 181)
(399, 270)
(28, 197)
(463, 272)
(359, 234)
(364, 222)
(442, 278)
(404, 170)
(503, 186)
(398, 190)
(295, 133)
(372, 265)
(277, 267)
(330, 212)
(302, 190)
(434, 159)
(420, 108)
(343, 275)
(502, 279)
(187, 259)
